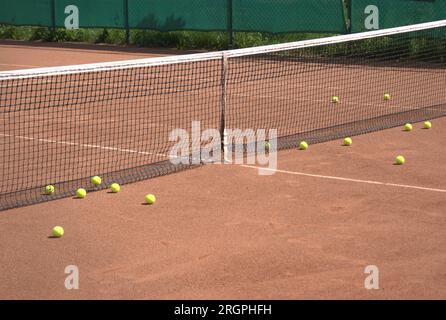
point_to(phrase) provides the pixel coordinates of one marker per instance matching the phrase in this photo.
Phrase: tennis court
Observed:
(223, 231)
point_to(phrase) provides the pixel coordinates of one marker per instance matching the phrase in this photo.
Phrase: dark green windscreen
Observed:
(289, 15)
(93, 13)
(26, 12)
(394, 13)
(239, 15)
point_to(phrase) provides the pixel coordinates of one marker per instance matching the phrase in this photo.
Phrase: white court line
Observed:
(345, 179)
(18, 65)
(245, 166)
(83, 145)
(92, 146)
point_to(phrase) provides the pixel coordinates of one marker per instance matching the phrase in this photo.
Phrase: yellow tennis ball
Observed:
(96, 180)
(57, 231)
(49, 189)
(267, 146)
(115, 188)
(387, 96)
(150, 199)
(81, 193)
(348, 141)
(335, 99)
(427, 125)
(400, 160)
(408, 127)
(303, 145)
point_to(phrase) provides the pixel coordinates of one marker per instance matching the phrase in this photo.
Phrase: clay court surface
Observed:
(225, 232)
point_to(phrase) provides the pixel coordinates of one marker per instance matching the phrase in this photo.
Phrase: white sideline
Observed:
(346, 179)
(18, 65)
(82, 145)
(93, 146)
(243, 165)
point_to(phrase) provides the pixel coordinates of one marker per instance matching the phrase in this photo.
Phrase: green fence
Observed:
(271, 16)
(26, 12)
(275, 16)
(238, 15)
(381, 14)
(91, 13)
(289, 16)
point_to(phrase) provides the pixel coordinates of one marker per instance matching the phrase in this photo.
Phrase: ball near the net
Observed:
(49, 189)
(267, 146)
(115, 188)
(96, 180)
(81, 193)
(408, 127)
(303, 145)
(348, 141)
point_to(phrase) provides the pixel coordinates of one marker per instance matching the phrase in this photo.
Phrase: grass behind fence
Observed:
(184, 40)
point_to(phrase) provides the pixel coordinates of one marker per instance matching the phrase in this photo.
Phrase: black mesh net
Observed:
(61, 126)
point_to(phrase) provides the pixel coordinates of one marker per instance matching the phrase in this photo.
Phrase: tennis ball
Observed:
(150, 199)
(57, 231)
(81, 193)
(408, 127)
(303, 145)
(49, 189)
(348, 141)
(115, 188)
(335, 99)
(427, 125)
(267, 146)
(400, 160)
(96, 180)
(387, 96)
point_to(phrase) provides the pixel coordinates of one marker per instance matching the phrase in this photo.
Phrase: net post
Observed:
(230, 30)
(224, 105)
(126, 22)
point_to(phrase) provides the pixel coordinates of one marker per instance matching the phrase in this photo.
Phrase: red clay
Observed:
(224, 232)
(23, 55)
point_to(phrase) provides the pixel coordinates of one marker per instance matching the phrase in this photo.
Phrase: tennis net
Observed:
(62, 125)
